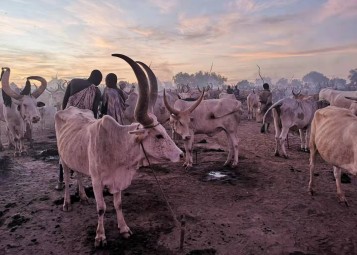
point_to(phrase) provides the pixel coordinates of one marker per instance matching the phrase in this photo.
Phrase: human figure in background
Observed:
(265, 99)
(236, 92)
(229, 90)
(113, 102)
(84, 94)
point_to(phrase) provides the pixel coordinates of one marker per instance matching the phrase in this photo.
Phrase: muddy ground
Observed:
(260, 207)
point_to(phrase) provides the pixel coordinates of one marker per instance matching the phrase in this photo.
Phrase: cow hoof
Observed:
(307, 150)
(100, 242)
(311, 192)
(126, 235)
(234, 164)
(226, 163)
(67, 207)
(276, 154)
(59, 186)
(85, 201)
(286, 157)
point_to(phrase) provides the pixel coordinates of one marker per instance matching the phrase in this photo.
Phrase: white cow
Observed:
(27, 102)
(253, 105)
(109, 152)
(334, 137)
(289, 112)
(47, 113)
(337, 97)
(206, 117)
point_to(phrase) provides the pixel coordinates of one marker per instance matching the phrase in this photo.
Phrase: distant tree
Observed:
(244, 85)
(353, 76)
(200, 79)
(315, 78)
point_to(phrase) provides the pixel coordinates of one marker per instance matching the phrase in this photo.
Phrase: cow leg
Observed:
(67, 199)
(313, 152)
(302, 139)
(235, 143)
(101, 207)
(283, 135)
(277, 140)
(81, 190)
(123, 228)
(307, 134)
(188, 149)
(230, 150)
(340, 193)
(1, 146)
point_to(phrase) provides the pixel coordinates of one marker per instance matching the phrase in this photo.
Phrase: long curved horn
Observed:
(198, 88)
(192, 107)
(5, 84)
(141, 108)
(42, 87)
(168, 106)
(153, 86)
(62, 86)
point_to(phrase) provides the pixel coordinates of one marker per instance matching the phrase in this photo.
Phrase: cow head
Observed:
(25, 100)
(180, 120)
(155, 142)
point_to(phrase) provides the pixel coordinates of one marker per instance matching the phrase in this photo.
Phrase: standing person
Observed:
(229, 90)
(113, 102)
(265, 99)
(236, 92)
(84, 94)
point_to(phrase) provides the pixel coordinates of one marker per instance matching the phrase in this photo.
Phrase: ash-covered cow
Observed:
(289, 112)
(206, 117)
(109, 152)
(334, 137)
(25, 100)
(338, 98)
(253, 105)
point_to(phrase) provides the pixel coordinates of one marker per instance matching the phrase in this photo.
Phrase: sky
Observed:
(286, 38)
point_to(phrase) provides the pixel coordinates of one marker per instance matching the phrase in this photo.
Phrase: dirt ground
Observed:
(260, 207)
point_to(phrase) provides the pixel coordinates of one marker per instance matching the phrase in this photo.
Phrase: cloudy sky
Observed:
(72, 37)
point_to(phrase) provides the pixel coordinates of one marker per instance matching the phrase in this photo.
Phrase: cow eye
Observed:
(160, 136)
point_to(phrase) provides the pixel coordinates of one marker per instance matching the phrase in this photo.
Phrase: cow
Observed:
(333, 136)
(26, 101)
(337, 97)
(111, 153)
(289, 112)
(253, 105)
(206, 117)
(47, 113)
(224, 95)
(159, 108)
(15, 124)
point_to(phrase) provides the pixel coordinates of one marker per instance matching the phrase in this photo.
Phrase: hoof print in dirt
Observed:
(17, 220)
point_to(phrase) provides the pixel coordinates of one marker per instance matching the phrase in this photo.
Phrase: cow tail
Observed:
(275, 105)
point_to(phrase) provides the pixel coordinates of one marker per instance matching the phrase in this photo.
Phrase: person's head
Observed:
(111, 80)
(266, 86)
(229, 87)
(95, 77)
(122, 85)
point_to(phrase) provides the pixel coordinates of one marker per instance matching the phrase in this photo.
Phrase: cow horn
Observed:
(192, 107)
(188, 88)
(153, 86)
(41, 89)
(5, 75)
(352, 98)
(141, 108)
(199, 89)
(295, 94)
(168, 106)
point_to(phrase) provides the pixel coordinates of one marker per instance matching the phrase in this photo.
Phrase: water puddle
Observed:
(222, 176)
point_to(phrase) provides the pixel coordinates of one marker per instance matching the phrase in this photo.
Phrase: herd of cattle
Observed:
(91, 146)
